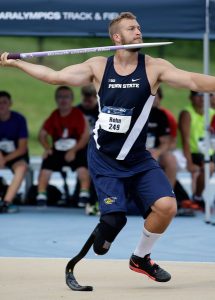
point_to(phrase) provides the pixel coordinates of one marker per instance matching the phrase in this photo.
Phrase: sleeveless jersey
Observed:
(124, 106)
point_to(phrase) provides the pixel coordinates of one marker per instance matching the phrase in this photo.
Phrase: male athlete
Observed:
(118, 161)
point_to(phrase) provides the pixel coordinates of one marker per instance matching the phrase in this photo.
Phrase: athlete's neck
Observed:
(125, 57)
(125, 62)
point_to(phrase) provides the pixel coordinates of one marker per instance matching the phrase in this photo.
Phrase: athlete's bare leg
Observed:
(163, 211)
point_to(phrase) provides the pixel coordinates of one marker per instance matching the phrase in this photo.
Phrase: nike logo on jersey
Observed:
(133, 80)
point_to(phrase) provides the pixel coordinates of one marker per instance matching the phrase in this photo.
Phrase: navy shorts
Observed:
(143, 188)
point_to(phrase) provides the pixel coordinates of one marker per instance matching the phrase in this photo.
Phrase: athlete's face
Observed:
(64, 100)
(129, 32)
(5, 104)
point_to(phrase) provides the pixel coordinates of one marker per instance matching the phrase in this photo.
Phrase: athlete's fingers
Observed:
(4, 61)
(3, 58)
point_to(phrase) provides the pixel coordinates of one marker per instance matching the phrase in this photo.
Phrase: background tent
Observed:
(158, 18)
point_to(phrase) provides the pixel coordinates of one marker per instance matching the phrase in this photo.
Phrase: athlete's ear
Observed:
(116, 37)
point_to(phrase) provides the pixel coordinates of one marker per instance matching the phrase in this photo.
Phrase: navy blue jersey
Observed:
(124, 104)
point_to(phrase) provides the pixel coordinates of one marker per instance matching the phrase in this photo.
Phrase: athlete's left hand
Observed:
(70, 155)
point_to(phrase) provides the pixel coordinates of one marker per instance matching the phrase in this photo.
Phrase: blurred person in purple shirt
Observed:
(13, 149)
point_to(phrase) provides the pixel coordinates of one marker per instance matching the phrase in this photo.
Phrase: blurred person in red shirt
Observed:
(69, 133)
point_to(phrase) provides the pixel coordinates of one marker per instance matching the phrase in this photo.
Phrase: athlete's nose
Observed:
(138, 32)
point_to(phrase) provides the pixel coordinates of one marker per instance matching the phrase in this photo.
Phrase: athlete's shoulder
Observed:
(96, 60)
(156, 61)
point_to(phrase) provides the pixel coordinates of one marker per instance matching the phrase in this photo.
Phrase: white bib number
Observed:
(64, 144)
(114, 119)
(7, 146)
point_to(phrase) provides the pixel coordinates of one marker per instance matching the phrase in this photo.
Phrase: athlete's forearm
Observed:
(203, 83)
(40, 72)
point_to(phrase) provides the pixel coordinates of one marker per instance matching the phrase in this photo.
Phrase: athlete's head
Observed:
(89, 97)
(64, 97)
(124, 29)
(5, 103)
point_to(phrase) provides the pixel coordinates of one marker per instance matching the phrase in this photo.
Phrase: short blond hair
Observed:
(113, 24)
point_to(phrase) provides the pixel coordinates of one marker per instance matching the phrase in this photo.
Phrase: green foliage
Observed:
(35, 99)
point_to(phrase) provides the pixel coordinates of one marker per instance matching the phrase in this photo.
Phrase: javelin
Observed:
(84, 50)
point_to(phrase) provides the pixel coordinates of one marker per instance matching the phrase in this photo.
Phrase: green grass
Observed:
(35, 99)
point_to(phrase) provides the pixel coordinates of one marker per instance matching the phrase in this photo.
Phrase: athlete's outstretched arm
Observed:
(76, 75)
(169, 74)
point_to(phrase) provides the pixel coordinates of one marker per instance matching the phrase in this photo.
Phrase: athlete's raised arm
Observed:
(75, 75)
(175, 77)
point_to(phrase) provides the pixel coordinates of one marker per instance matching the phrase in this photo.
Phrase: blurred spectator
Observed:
(159, 140)
(212, 140)
(191, 126)
(212, 102)
(166, 131)
(89, 107)
(173, 126)
(69, 133)
(13, 149)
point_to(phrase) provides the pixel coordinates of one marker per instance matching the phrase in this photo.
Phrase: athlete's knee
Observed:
(109, 227)
(166, 206)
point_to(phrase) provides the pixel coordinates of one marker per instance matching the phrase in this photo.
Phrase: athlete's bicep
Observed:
(76, 75)
(173, 76)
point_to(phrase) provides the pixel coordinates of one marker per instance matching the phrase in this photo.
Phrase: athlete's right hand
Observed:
(4, 62)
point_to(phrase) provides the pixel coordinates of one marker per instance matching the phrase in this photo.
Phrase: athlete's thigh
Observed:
(150, 186)
(111, 194)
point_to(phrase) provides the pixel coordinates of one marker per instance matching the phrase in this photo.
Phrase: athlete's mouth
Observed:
(139, 40)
